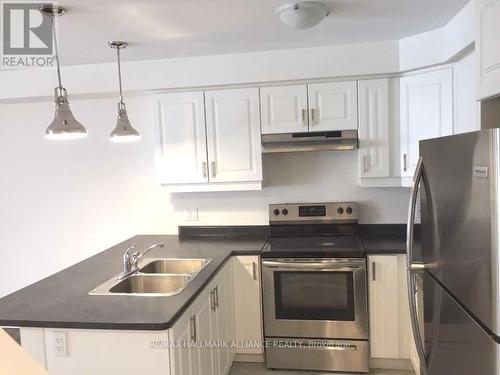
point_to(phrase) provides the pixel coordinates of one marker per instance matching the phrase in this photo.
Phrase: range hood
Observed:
(344, 140)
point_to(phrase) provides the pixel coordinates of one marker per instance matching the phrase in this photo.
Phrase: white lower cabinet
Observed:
(184, 357)
(204, 334)
(390, 328)
(248, 306)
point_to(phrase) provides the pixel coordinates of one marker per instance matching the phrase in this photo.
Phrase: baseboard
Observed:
(255, 358)
(393, 364)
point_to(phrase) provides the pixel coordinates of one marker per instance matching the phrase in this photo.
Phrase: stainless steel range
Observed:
(314, 289)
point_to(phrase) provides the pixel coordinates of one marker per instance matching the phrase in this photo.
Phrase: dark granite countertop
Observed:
(383, 238)
(62, 300)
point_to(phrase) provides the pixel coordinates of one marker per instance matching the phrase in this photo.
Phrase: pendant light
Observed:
(64, 125)
(124, 131)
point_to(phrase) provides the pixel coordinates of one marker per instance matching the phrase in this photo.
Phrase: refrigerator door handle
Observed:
(414, 268)
(412, 295)
(411, 216)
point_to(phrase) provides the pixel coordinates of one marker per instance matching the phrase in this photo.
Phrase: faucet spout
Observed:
(139, 256)
(131, 257)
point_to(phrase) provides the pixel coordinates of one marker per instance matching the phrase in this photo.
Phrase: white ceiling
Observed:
(177, 28)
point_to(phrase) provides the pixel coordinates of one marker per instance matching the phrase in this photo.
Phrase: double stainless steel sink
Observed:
(156, 277)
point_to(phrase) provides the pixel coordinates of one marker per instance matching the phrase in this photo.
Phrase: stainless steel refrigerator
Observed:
(453, 254)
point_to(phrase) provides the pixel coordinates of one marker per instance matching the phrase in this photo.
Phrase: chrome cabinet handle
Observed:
(412, 295)
(304, 117)
(193, 327)
(405, 168)
(212, 299)
(254, 271)
(204, 168)
(216, 291)
(314, 113)
(213, 169)
(374, 270)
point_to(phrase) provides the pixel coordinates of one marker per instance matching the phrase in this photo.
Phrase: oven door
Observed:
(315, 298)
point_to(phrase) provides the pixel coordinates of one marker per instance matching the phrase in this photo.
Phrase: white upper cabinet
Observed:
(313, 107)
(233, 134)
(181, 151)
(426, 102)
(219, 151)
(373, 128)
(333, 106)
(488, 30)
(465, 104)
(284, 109)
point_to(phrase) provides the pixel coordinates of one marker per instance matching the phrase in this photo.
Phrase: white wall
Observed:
(62, 202)
(182, 73)
(440, 45)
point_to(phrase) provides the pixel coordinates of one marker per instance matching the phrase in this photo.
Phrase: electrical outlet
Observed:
(60, 344)
(192, 214)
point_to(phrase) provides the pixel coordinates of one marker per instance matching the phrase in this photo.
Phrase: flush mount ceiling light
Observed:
(302, 15)
(64, 125)
(124, 131)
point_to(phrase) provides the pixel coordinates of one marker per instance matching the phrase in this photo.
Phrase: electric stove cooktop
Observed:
(313, 230)
(336, 246)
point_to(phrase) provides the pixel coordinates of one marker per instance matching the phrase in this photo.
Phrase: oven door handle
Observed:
(330, 265)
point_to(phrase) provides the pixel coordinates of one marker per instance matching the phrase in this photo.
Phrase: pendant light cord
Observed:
(57, 51)
(119, 74)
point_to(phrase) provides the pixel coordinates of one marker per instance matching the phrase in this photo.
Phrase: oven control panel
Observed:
(318, 213)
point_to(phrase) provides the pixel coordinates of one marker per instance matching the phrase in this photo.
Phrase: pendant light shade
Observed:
(64, 125)
(124, 131)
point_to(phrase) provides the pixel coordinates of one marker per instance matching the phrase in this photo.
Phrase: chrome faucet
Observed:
(132, 257)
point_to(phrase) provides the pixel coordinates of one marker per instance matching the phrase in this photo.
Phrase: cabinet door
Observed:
(184, 357)
(284, 109)
(233, 134)
(181, 150)
(373, 128)
(223, 321)
(247, 302)
(465, 104)
(488, 29)
(426, 112)
(383, 297)
(205, 331)
(333, 106)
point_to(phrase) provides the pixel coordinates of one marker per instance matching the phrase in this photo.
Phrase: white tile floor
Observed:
(259, 369)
